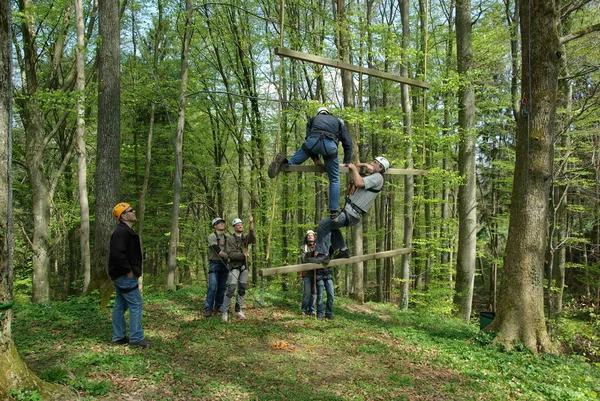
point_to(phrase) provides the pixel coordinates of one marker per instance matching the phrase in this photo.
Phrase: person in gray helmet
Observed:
(217, 268)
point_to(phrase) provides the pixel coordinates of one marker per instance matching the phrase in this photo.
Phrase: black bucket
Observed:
(485, 318)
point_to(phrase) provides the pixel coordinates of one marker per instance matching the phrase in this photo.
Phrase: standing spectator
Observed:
(124, 268)
(217, 268)
(362, 193)
(308, 277)
(324, 280)
(323, 133)
(236, 246)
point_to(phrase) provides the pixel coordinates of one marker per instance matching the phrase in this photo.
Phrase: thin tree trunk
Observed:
(467, 196)
(408, 179)
(84, 231)
(174, 242)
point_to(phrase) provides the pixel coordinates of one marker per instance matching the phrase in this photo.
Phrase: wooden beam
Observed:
(282, 51)
(321, 169)
(334, 262)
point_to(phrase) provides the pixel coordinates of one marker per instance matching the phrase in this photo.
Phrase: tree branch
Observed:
(580, 33)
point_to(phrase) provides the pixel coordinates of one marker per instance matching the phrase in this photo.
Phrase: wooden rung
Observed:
(282, 51)
(334, 262)
(321, 169)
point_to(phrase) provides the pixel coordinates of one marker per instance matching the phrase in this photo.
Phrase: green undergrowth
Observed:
(368, 352)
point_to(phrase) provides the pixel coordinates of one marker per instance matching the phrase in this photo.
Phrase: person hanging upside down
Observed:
(361, 194)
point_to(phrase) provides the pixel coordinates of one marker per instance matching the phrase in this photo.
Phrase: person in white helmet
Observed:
(309, 281)
(323, 133)
(362, 192)
(236, 247)
(217, 268)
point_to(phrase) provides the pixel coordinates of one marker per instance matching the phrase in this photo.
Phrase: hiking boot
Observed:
(207, 312)
(124, 340)
(276, 165)
(225, 317)
(141, 344)
(341, 254)
(240, 315)
(322, 258)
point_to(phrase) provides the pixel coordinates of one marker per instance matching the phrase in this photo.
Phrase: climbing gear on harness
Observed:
(333, 214)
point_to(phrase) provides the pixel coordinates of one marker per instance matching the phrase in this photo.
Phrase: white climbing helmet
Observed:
(235, 221)
(217, 220)
(323, 110)
(384, 162)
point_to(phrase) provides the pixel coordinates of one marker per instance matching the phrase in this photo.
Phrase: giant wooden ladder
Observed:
(283, 52)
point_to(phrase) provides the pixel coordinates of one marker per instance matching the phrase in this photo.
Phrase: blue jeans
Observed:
(329, 232)
(323, 147)
(308, 297)
(327, 283)
(124, 300)
(217, 281)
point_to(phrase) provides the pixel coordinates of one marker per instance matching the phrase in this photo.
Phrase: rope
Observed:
(6, 306)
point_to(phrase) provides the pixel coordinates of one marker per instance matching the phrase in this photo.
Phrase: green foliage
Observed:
(370, 351)
(25, 395)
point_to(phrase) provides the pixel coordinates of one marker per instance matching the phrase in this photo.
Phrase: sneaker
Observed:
(207, 312)
(240, 315)
(124, 340)
(141, 344)
(276, 165)
(329, 317)
(225, 317)
(323, 259)
(341, 254)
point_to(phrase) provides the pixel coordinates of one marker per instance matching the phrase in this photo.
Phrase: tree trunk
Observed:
(13, 372)
(467, 196)
(520, 314)
(106, 180)
(84, 234)
(408, 179)
(174, 242)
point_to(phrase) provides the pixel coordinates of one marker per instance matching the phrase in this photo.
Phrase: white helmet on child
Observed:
(323, 110)
(235, 221)
(384, 162)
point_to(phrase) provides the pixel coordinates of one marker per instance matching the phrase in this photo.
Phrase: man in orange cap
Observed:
(124, 268)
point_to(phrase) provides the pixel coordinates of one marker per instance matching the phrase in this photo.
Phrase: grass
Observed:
(369, 352)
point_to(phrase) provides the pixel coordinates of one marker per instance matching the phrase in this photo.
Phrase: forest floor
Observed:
(368, 352)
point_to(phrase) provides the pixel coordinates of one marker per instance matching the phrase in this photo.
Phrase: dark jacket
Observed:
(236, 247)
(125, 252)
(326, 123)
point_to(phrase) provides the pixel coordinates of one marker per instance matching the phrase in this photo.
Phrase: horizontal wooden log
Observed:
(334, 262)
(320, 169)
(282, 51)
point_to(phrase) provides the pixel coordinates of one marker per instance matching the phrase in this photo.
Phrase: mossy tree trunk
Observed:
(13, 372)
(520, 315)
